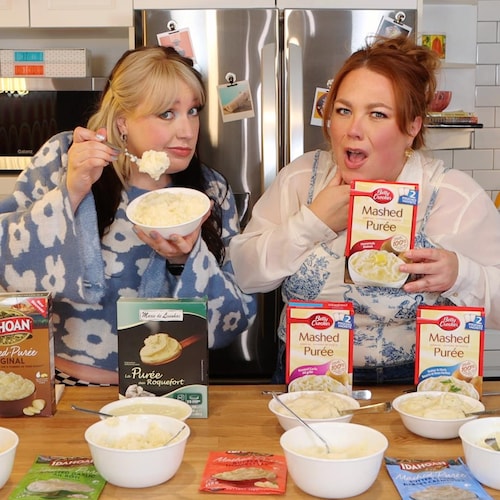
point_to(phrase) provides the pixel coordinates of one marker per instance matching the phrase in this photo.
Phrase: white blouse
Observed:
(286, 245)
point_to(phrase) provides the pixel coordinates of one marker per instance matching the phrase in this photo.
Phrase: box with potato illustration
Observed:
(319, 346)
(27, 373)
(450, 349)
(381, 226)
(163, 350)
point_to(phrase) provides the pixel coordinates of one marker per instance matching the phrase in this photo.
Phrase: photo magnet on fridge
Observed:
(318, 105)
(392, 28)
(180, 40)
(235, 101)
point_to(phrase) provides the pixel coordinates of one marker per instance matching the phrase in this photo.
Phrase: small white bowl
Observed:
(166, 229)
(334, 477)
(8, 447)
(483, 462)
(359, 279)
(149, 405)
(289, 421)
(136, 468)
(435, 428)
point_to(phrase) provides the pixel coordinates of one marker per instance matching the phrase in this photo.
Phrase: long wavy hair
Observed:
(150, 77)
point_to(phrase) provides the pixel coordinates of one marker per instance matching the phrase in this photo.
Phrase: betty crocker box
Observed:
(27, 373)
(319, 346)
(163, 350)
(381, 226)
(450, 348)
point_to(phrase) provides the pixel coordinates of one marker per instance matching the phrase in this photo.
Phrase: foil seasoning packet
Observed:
(434, 479)
(244, 473)
(60, 477)
(381, 227)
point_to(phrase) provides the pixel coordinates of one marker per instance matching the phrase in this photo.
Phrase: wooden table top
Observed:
(238, 419)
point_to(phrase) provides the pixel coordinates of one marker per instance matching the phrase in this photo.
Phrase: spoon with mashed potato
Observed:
(154, 163)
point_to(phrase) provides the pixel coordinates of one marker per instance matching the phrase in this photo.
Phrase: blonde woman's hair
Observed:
(149, 78)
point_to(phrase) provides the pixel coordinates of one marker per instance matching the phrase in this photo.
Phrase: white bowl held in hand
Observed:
(483, 461)
(169, 211)
(312, 407)
(434, 414)
(120, 449)
(149, 405)
(351, 468)
(8, 447)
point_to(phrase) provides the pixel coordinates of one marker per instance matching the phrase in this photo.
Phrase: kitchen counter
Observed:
(239, 419)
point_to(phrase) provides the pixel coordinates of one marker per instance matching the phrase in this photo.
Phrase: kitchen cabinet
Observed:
(65, 13)
(14, 13)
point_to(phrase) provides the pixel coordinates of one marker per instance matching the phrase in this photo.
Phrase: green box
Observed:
(163, 350)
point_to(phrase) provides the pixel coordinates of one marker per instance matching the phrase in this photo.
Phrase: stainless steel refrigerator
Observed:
(285, 59)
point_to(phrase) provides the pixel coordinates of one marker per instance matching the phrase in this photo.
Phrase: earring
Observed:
(123, 138)
(408, 152)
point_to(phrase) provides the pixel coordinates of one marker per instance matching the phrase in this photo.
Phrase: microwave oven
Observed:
(34, 109)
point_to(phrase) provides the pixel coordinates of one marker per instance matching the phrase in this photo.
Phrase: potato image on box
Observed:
(163, 350)
(449, 350)
(381, 227)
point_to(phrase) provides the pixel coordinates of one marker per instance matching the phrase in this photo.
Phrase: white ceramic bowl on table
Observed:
(149, 405)
(8, 447)
(288, 421)
(436, 424)
(186, 207)
(483, 461)
(135, 467)
(340, 476)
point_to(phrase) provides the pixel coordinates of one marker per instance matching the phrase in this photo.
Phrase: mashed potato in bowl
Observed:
(376, 268)
(316, 405)
(168, 211)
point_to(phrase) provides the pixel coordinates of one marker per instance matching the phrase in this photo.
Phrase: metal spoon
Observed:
(303, 422)
(94, 412)
(175, 435)
(483, 412)
(361, 394)
(374, 408)
(124, 151)
(492, 443)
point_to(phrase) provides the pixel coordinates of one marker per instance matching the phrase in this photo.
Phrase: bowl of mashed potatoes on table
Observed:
(313, 407)
(435, 415)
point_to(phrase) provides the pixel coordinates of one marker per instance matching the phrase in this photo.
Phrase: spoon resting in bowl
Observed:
(303, 422)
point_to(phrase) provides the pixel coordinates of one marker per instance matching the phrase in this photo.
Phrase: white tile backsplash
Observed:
(484, 158)
(487, 32)
(486, 74)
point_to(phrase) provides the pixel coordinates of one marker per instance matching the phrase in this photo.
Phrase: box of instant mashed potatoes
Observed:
(163, 350)
(381, 227)
(27, 374)
(319, 346)
(449, 349)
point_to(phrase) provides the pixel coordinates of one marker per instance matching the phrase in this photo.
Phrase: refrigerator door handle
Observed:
(270, 114)
(295, 105)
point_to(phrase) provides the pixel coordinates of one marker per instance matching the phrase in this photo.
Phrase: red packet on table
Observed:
(381, 225)
(244, 473)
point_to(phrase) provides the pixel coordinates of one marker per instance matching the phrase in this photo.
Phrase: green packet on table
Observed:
(52, 477)
(433, 479)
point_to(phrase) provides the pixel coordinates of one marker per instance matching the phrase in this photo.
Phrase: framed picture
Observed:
(392, 28)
